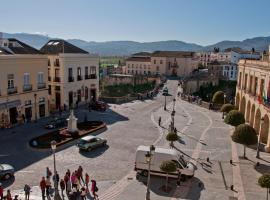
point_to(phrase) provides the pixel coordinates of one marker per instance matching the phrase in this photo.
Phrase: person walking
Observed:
(42, 186)
(68, 187)
(74, 180)
(159, 120)
(27, 191)
(56, 179)
(66, 179)
(48, 186)
(62, 187)
(87, 179)
(1, 192)
(68, 173)
(83, 193)
(8, 197)
(94, 189)
(48, 172)
(80, 174)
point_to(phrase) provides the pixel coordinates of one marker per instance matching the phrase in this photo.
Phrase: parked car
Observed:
(99, 106)
(56, 123)
(6, 171)
(159, 155)
(90, 142)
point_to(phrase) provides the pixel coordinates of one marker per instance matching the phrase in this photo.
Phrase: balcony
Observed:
(49, 78)
(57, 79)
(27, 87)
(70, 79)
(93, 76)
(86, 76)
(79, 78)
(41, 85)
(12, 90)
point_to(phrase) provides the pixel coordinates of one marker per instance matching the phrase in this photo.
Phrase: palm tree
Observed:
(172, 137)
(168, 166)
(264, 181)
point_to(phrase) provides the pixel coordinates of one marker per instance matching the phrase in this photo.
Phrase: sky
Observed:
(197, 21)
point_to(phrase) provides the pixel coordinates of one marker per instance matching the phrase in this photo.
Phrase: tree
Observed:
(264, 181)
(168, 166)
(218, 97)
(244, 134)
(172, 137)
(227, 108)
(234, 118)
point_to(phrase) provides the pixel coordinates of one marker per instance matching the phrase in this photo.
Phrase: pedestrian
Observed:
(77, 104)
(56, 179)
(80, 174)
(66, 179)
(87, 179)
(27, 191)
(68, 187)
(16, 197)
(48, 186)
(83, 193)
(1, 192)
(8, 197)
(62, 187)
(23, 117)
(48, 172)
(175, 130)
(94, 189)
(68, 173)
(42, 186)
(159, 120)
(74, 180)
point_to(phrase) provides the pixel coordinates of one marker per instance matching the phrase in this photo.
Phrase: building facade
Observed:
(73, 75)
(253, 96)
(223, 70)
(23, 88)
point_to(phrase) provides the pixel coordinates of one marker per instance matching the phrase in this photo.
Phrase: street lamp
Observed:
(224, 101)
(56, 192)
(259, 137)
(172, 125)
(35, 95)
(174, 103)
(165, 93)
(148, 157)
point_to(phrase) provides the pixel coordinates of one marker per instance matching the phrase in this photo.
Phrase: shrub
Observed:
(171, 137)
(234, 118)
(264, 181)
(227, 108)
(218, 97)
(168, 166)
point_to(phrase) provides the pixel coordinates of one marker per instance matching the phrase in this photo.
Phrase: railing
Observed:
(86, 76)
(27, 87)
(41, 85)
(12, 90)
(70, 79)
(93, 76)
(57, 79)
(79, 78)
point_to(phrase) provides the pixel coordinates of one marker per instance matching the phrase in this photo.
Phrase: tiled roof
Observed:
(139, 59)
(176, 54)
(60, 46)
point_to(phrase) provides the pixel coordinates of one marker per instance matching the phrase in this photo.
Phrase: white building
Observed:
(72, 74)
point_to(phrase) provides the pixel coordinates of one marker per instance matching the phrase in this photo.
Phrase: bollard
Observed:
(231, 162)
(232, 188)
(258, 164)
(207, 159)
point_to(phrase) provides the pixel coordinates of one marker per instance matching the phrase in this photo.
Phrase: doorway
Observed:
(70, 99)
(93, 95)
(28, 114)
(57, 100)
(13, 114)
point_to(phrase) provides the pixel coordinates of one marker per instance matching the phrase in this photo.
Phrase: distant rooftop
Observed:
(55, 47)
(240, 51)
(181, 54)
(142, 54)
(139, 59)
(14, 46)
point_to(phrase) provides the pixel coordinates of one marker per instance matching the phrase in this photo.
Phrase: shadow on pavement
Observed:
(95, 152)
(262, 168)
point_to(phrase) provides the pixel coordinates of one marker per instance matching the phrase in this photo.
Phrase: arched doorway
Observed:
(252, 113)
(243, 106)
(257, 122)
(248, 112)
(265, 130)
(237, 101)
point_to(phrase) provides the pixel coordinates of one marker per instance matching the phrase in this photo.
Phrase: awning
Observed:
(10, 104)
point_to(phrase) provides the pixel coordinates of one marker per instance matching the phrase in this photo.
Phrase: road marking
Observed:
(237, 179)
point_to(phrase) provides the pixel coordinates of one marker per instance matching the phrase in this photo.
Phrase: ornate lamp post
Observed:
(56, 192)
(35, 95)
(259, 138)
(165, 94)
(174, 104)
(172, 116)
(148, 157)
(224, 101)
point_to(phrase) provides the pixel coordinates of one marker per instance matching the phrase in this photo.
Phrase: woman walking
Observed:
(94, 189)
(8, 197)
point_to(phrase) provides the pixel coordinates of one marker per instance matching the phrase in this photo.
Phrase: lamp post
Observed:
(165, 94)
(224, 101)
(259, 138)
(35, 95)
(174, 103)
(148, 157)
(172, 125)
(56, 192)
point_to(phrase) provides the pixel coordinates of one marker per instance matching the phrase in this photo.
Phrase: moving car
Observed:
(99, 106)
(90, 142)
(56, 123)
(6, 171)
(159, 155)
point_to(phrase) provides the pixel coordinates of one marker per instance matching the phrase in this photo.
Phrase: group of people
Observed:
(76, 184)
(8, 195)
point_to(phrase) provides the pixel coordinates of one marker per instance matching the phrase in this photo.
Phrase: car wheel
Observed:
(144, 173)
(104, 144)
(7, 176)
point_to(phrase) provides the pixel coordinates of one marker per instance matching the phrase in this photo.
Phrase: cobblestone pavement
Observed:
(203, 134)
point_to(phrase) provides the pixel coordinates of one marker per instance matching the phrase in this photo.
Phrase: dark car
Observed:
(99, 106)
(6, 171)
(56, 123)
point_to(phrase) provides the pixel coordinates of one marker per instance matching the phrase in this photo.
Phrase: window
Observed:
(70, 72)
(40, 77)
(161, 62)
(79, 72)
(132, 65)
(157, 68)
(128, 66)
(86, 70)
(10, 81)
(144, 66)
(56, 73)
(26, 79)
(128, 71)
(154, 61)
(49, 62)
(50, 89)
(56, 63)
(93, 70)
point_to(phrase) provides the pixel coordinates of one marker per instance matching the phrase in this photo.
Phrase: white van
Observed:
(185, 169)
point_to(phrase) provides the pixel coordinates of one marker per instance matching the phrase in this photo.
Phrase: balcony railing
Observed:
(12, 90)
(41, 85)
(79, 78)
(70, 79)
(49, 78)
(57, 79)
(93, 76)
(86, 76)
(27, 87)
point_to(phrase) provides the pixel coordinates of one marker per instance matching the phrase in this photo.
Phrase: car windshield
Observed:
(182, 161)
(82, 141)
(1, 167)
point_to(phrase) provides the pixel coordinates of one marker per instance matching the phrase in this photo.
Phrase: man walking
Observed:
(27, 191)
(42, 185)
(1, 192)
(159, 120)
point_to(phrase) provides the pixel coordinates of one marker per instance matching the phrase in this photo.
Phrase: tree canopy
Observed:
(171, 137)
(244, 134)
(264, 181)
(234, 118)
(227, 108)
(218, 97)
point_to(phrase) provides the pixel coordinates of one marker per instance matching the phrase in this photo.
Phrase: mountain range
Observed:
(124, 48)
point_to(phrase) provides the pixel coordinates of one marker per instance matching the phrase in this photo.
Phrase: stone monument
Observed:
(72, 123)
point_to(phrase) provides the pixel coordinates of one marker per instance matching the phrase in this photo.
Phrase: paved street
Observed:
(132, 124)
